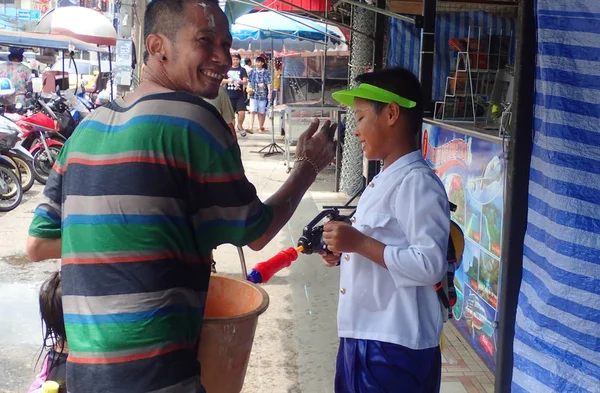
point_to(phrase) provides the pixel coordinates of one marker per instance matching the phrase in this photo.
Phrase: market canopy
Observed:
(82, 23)
(269, 24)
(35, 40)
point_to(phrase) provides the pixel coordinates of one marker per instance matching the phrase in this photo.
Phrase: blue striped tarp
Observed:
(557, 338)
(404, 42)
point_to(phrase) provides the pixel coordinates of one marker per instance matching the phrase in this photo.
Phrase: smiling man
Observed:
(141, 193)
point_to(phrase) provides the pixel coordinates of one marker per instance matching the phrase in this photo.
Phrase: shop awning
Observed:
(308, 5)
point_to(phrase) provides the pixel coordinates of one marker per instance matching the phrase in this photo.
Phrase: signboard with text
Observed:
(473, 173)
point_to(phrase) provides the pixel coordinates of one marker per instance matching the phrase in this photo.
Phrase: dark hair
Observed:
(402, 82)
(15, 56)
(261, 59)
(247, 61)
(51, 311)
(146, 55)
(237, 55)
(166, 17)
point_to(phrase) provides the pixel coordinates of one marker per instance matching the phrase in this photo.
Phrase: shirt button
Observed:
(343, 291)
(347, 257)
(371, 185)
(353, 219)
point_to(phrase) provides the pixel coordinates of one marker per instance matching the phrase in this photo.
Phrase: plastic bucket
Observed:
(230, 319)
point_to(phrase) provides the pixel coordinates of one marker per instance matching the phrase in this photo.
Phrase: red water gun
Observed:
(310, 242)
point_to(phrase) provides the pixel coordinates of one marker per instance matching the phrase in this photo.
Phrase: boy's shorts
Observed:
(259, 106)
(238, 104)
(379, 367)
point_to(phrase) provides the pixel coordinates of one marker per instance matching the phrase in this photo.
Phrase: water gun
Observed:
(310, 242)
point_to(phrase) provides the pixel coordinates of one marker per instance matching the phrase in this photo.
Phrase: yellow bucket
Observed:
(230, 318)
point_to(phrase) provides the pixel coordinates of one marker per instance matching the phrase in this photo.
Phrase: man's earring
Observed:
(164, 58)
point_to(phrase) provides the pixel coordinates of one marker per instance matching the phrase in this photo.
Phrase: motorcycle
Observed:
(11, 191)
(40, 135)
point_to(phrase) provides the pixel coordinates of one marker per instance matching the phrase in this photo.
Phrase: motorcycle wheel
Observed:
(10, 159)
(26, 172)
(11, 192)
(42, 164)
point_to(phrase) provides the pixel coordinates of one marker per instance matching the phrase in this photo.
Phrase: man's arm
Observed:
(44, 240)
(318, 148)
(40, 249)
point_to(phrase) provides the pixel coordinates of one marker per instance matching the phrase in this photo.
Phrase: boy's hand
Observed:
(341, 237)
(330, 259)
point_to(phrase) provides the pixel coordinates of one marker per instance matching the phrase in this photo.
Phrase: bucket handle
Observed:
(243, 263)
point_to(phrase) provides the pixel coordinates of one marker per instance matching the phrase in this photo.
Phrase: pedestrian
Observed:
(248, 66)
(138, 198)
(260, 93)
(277, 82)
(237, 79)
(394, 252)
(223, 105)
(55, 338)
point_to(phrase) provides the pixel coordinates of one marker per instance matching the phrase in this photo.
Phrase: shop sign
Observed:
(473, 173)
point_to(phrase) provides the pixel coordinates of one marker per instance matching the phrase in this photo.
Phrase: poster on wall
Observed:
(473, 173)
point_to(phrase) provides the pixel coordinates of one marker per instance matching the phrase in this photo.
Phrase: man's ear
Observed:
(156, 44)
(393, 113)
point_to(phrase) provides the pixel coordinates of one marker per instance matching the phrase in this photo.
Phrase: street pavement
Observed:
(296, 339)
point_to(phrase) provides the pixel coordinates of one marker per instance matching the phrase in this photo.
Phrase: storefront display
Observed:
(472, 169)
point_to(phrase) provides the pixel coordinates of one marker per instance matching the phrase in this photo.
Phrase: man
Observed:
(140, 196)
(223, 105)
(237, 78)
(260, 92)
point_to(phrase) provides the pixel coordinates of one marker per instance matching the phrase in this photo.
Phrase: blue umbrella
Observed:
(262, 25)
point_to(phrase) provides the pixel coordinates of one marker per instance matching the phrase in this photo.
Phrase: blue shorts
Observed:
(379, 367)
(259, 106)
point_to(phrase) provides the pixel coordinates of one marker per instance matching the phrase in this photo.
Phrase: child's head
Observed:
(388, 107)
(51, 312)
(260, 62)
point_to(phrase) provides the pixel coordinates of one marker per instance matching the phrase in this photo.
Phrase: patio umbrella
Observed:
(269, 24)
(82, 23)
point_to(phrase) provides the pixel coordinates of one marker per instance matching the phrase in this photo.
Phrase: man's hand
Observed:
(342, 237)
(330, 259)
(318, 147)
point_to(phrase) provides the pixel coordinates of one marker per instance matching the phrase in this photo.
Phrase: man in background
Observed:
(237, 78)
(223, 105)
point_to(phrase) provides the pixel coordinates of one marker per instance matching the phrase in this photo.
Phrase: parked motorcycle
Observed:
(40, 135)
(11, 191)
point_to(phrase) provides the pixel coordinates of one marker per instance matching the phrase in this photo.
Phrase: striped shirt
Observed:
(141, 195)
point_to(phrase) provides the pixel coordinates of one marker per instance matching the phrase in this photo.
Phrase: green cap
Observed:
(373, 93)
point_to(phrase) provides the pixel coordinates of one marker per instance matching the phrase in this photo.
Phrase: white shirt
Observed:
(406, 208)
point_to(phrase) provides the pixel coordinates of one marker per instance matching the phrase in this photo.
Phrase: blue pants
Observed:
(367, 366)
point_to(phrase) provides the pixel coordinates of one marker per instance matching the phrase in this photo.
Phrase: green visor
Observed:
(373, 93)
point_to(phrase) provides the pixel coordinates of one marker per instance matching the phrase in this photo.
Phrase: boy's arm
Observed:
(426, 223)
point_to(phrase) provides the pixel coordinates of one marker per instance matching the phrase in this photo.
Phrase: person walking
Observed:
(260, 93)
(237, 79)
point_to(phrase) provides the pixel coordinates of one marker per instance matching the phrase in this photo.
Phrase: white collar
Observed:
(400, 163)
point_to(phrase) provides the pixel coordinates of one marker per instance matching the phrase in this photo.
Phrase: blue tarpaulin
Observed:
(557, 332)
(404, 43)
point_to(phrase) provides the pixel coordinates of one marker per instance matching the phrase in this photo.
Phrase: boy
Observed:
(260, 92)
(394, 252)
